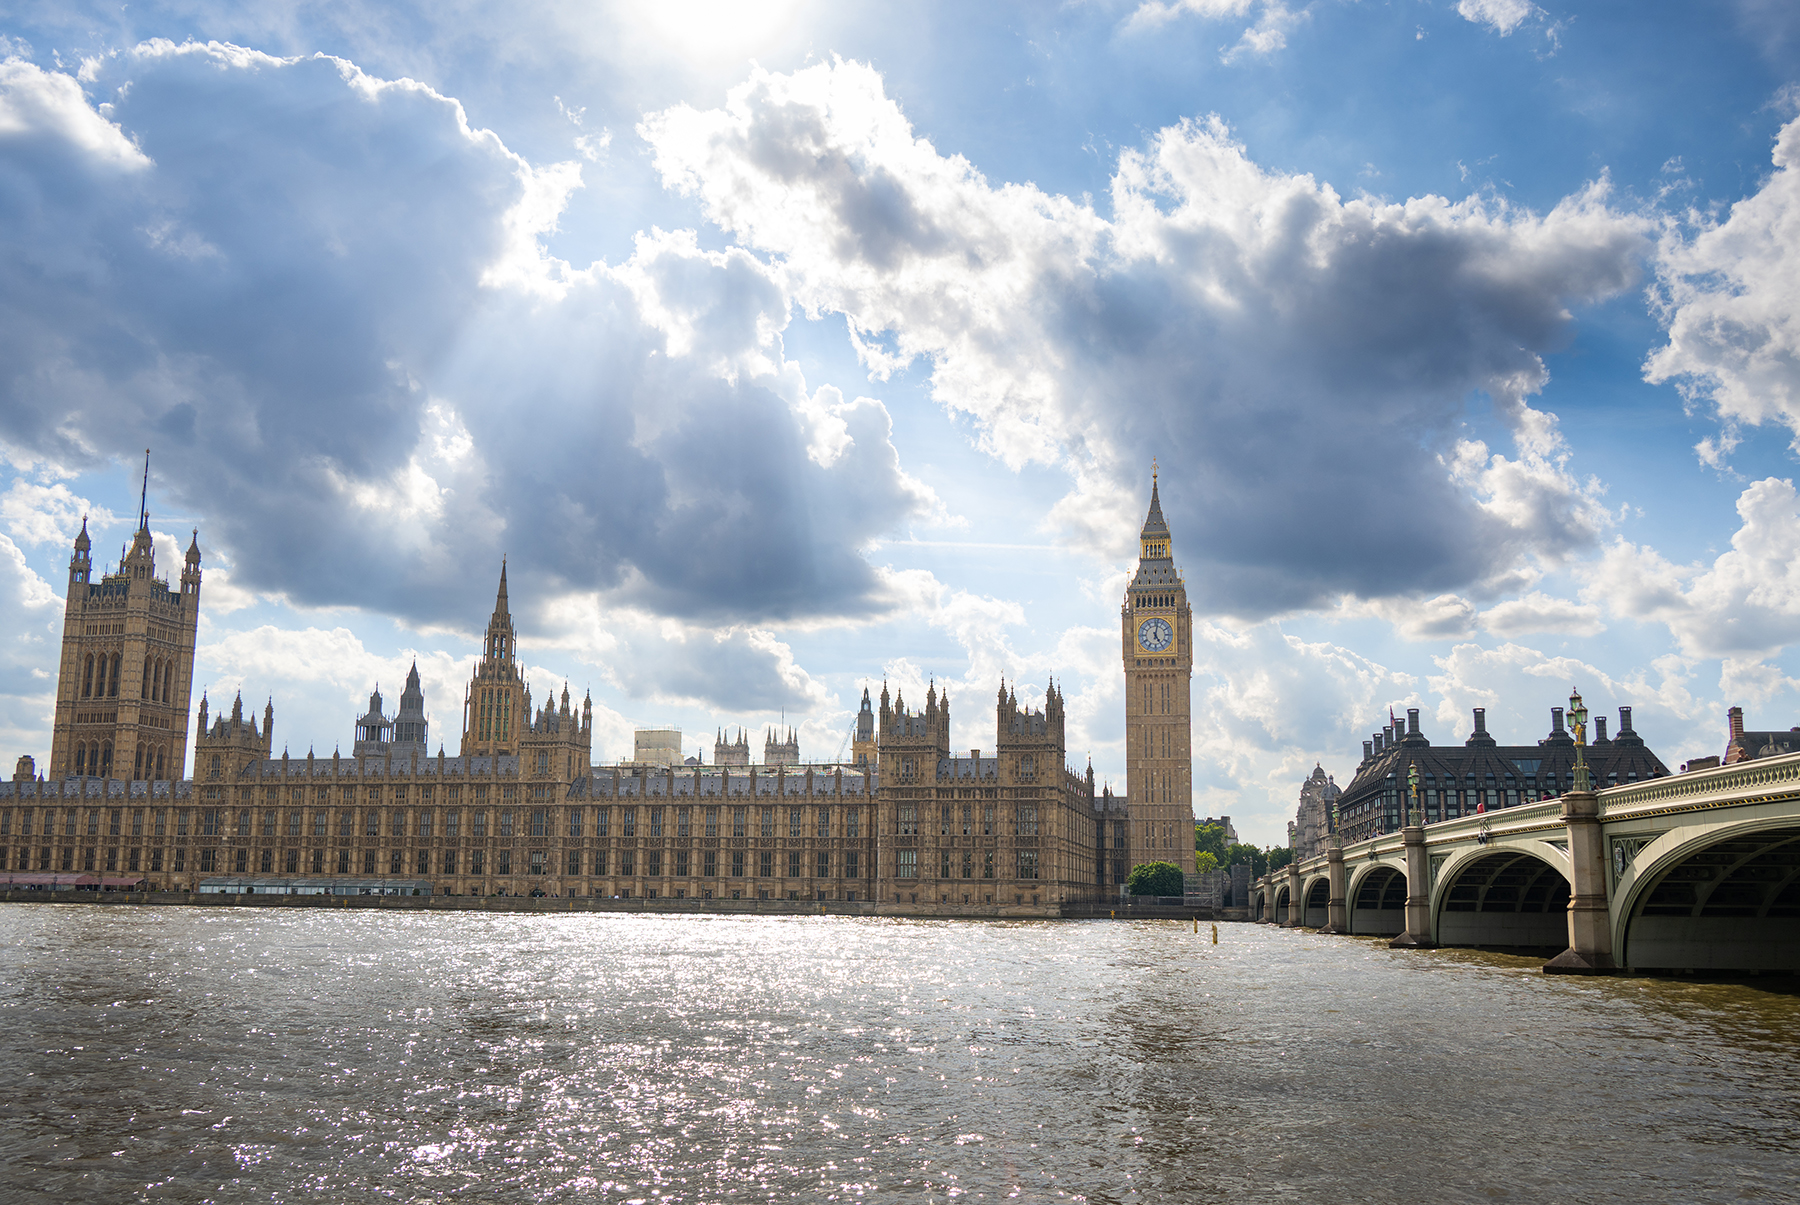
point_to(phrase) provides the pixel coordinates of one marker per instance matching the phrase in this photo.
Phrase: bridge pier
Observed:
(1296, 905)
(1337, 912)
(1590, 919)
(1418, 893)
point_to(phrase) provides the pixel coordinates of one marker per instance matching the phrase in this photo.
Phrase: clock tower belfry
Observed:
(1157, 631)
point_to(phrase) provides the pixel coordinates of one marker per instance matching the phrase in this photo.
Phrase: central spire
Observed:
(500, 641)
(144, 498)
(1156, 558)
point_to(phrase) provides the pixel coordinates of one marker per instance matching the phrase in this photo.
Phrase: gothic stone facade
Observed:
(910, 824)
(523, 811)
(122, 690)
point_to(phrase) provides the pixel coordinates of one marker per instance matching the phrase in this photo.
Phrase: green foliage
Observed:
(1243, 854)
(1210, 838)
(1155, 878)
(1279, 856)
(1205, 861)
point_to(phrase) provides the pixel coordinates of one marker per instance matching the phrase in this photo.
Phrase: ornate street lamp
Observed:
(1578, 720)
(1416, 817)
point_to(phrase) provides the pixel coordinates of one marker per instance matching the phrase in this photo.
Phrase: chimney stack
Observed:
(1412, 721)
(1599, 729)
(1625, 722)
(1378, 745)
(1556, 721)
(1368, 750)
(1736, 716)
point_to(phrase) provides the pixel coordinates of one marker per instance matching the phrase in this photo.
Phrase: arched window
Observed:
(137, 768)
(106, 760)
(87, 678)
(168, 681)
(81, 759)
(112, 687)
(159, 765)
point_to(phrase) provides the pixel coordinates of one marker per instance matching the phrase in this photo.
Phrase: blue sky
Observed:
(788, 347)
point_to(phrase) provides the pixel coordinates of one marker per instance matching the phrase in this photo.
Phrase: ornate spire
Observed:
(1154, 523)
(144, 498)
(1156, 558)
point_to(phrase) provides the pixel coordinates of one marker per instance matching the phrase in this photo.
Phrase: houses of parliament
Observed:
(909, 823)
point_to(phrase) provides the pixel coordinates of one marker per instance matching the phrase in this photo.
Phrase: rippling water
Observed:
(218, 1055)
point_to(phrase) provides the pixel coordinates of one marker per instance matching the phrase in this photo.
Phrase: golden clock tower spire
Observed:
(1157, 638)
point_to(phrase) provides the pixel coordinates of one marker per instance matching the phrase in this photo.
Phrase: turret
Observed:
(190, 573)
(269, 726)
(81, 565)
(201, 729)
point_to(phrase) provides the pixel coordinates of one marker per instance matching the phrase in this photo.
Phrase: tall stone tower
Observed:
(1157, 635)
(862, 750)
(779, 748)
(127, 665)
(496, 707)
(412, 731)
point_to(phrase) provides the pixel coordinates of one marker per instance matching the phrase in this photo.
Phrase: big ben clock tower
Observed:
(1157, 628)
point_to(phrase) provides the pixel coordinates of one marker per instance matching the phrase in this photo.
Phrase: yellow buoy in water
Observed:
(1215, 933)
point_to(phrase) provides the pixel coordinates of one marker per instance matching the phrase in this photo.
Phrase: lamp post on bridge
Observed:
(1418, 885)
(1590, 919)
(1337, 914)
(1578, 714)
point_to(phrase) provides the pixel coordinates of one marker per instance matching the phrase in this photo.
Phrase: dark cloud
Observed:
(1299, 362)
(321, 298)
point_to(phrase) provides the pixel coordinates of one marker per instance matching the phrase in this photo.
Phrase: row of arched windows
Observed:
(100, 678)
(106, 685)
(159, 679)
(96, 758)
(494, 709)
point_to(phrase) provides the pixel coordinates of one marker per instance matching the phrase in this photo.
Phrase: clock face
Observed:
(1155, 635)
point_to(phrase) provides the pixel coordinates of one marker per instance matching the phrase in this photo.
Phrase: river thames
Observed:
(217, 1055)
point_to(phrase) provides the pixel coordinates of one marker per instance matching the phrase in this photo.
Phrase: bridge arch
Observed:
(1514, 895)
(1316, 911)
(1258, 904)
(1376, 896)
(1715, 898)
(1280, 916)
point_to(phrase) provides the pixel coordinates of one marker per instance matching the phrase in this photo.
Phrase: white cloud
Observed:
(1539, 612)
(44, 110)
(1253, 324)
(1730, 296)
(1265, 35)
(1745, 605)
(1502, 16)
(1437, 618)
(48, 514)
(1507, 679)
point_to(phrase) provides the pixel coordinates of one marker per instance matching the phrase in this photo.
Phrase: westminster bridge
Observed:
(1696, 871)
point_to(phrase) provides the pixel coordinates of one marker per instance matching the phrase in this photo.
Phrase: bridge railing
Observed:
(1744, 782)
